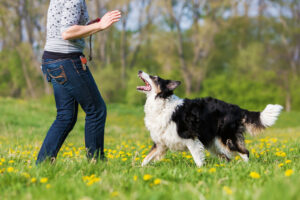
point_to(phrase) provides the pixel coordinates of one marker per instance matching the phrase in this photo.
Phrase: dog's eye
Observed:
(155, 78)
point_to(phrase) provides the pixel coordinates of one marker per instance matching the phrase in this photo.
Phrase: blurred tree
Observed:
(246, 52)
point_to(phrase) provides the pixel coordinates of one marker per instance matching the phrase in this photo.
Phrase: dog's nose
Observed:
(140, 71)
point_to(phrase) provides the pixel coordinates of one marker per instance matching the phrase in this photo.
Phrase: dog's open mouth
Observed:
(147, 87)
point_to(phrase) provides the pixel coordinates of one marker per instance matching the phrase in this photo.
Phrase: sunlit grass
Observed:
(272, 172)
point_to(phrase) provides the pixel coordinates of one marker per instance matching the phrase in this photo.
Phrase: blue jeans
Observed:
(73, 84)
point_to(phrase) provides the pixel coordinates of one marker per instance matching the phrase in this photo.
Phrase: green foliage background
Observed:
(227, 53)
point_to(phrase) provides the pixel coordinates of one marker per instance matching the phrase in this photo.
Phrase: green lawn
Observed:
(274, 161)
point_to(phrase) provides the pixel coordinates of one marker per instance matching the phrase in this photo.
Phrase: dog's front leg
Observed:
(197, 150)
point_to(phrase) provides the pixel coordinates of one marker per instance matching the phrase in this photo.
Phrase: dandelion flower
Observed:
(280, 165)
(147, 177)
(254, 175)
(124, 159)
(114, 194)
(156, 181)
(288, 161)
(288, 172)
(212, 170)
(48, 186)
(26, 175)
(33, 180)
(44, 180)
(227, 190)
(135, 178)
(11, 161)
(10, 169)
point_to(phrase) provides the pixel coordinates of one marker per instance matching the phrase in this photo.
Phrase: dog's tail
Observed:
(255, 122)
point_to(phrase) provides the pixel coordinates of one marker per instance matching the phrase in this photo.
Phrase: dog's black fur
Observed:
(208, 118)
(209, 123)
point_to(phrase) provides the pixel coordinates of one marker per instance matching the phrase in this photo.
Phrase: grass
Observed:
(272, 173)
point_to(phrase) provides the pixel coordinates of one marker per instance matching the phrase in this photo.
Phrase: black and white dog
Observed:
(184, 124)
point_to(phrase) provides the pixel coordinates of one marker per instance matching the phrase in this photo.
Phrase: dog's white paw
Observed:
(144, 163)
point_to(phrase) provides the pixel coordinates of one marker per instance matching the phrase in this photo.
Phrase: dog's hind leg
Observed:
(150, 156)
(224, 150)
(197, 150)
(242, 151)
(157, 152)
(160, 154)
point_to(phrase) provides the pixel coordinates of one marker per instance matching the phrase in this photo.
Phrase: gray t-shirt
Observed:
(63, 14)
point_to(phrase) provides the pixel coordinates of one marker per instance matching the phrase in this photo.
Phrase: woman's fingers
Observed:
(114, 12)
(115, 15)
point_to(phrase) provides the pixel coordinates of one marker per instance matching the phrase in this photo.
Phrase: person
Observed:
(65, 66)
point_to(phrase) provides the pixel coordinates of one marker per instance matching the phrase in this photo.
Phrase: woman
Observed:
(65, 67)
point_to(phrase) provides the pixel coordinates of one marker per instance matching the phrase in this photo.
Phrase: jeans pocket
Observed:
(58, 74)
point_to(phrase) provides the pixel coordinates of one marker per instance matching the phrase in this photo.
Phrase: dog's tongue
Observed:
(146, 88)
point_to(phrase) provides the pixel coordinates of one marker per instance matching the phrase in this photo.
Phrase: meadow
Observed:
(272, 172)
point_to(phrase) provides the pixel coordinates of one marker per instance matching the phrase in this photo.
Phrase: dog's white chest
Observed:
(158, 122)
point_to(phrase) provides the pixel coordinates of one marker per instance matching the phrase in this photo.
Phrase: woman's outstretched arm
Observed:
(81, 31)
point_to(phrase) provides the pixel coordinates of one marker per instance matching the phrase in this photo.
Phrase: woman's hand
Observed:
(108, 19)
(80, 31)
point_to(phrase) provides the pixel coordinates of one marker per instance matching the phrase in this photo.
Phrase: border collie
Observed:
(198, 124)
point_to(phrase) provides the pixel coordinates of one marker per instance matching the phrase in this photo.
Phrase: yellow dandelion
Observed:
(114, 194)
(10, 169)
(288, 172)
(3, 160)
(254, 175)
(199, 170)
(135, 178)
(44, 180)
(26, 175)
(11, 161)
(124, 159)
(156, 181)
(227, 190)
(283, 154)
(147, 177)
(288, 161)
(48, 186)
(280, 165)
(280, 154)
(137, 158)
(33, 180)
(274, 140)
(248, 141)
(0, 163)
(212, 170)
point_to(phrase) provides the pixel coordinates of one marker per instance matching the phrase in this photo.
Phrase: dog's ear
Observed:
(172, 85)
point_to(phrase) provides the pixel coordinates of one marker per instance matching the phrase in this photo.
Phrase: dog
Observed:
(195, 125)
